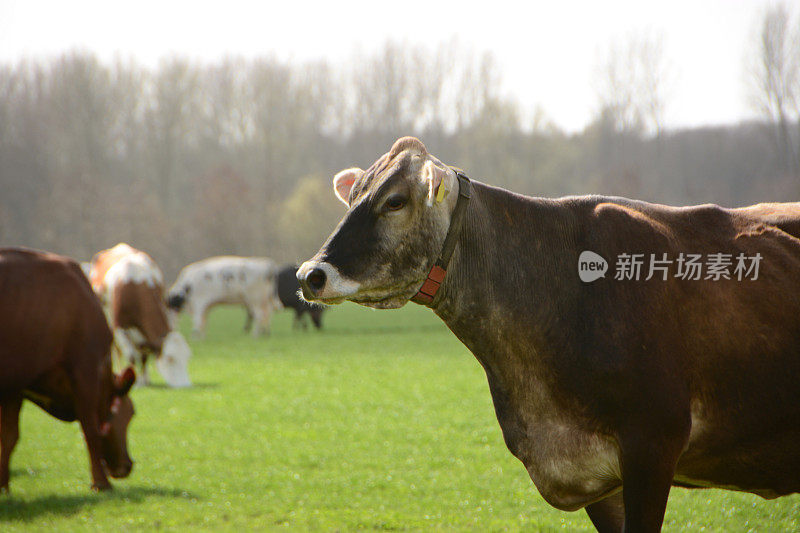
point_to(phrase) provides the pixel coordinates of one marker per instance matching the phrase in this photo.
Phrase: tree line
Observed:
(188, 160)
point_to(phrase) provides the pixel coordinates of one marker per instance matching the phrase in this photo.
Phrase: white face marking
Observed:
(336, 286)
(173, 361)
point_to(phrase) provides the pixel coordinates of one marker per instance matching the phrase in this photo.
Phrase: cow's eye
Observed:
(395, 202)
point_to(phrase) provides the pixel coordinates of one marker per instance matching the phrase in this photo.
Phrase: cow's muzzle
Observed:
(120, 471)
(321, 281)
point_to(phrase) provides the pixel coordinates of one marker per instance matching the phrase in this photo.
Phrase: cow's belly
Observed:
(764, 463)
(571, 467)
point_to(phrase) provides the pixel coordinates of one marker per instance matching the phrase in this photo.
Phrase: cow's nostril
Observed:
(316, 279)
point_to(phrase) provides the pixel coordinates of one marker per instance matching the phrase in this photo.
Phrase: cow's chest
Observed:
(570, 465)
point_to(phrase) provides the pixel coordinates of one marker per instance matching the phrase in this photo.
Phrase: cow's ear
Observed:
(437, 180)
(343, 182)
(124, 381)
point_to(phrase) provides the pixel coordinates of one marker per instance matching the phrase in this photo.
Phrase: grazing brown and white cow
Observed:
(131, 287)
(612, 389)
(55, 351)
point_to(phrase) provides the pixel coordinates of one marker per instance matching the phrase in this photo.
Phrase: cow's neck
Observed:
(513, 255)
(508, 291)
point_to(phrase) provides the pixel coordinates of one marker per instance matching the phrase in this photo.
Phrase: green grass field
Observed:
(383, 421)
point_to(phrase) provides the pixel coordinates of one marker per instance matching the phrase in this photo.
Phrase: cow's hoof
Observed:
(4, 489)
(101, 487)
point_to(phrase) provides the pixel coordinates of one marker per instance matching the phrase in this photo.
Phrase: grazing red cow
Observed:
(608, 389)
(130, 285)
(55, 351)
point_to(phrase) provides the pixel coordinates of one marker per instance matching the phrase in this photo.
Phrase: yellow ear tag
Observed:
(441, 193)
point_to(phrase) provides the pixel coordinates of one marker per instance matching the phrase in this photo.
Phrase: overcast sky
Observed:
(548, 51)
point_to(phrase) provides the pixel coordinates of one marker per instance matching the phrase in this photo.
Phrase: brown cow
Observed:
(55, 351)
(609, 389)
(131, 286)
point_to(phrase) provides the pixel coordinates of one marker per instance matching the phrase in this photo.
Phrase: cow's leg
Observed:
(608, 515)
(117, 357)
(199, 317)
(248, 323)
(316, 317)
(173, 318)
(145, 376)
(124, 345)
(266, 317)
(130, 353)
(648, 466)
(258, 320)
(9, 435)
(86, 406)
(298, 321)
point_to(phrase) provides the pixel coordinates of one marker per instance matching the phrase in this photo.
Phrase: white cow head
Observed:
(174, 360)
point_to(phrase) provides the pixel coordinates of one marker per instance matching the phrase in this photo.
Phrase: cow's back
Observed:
(230, 279)
(785, 216)
(49, 317)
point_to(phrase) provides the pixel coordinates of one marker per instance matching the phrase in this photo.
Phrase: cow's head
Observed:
(117, 415)
(177, 296)
(173, 361)
(398, 216)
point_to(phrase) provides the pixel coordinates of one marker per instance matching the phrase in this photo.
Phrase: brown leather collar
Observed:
(438, 271)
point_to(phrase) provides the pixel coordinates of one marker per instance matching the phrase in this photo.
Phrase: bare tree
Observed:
(173, 116)
(191, 159)
(631, 85)
(776, 82)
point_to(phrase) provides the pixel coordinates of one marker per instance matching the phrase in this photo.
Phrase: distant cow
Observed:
(55, 351)
(288, 288)
(608, 390)
(131, 286)
(247, 281)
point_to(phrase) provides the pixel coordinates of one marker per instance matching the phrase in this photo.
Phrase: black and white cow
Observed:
(233, 280)
(288, 293)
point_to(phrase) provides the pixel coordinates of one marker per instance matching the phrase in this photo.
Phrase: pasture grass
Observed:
(383, 421)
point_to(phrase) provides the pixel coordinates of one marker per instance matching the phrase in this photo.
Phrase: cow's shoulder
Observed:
(622, 223)
(638, 224)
